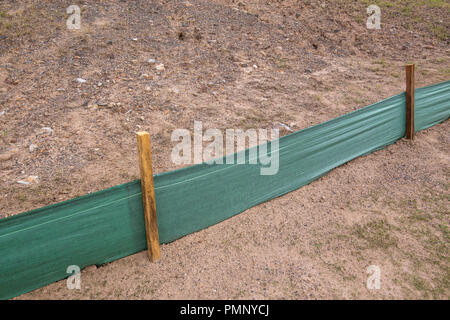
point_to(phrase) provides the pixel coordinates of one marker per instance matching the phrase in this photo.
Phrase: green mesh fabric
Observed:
(36, 247)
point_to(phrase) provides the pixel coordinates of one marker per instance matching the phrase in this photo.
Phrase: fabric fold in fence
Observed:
(36, 247)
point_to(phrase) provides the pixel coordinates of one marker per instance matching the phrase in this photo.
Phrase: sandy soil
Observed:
(231, 64)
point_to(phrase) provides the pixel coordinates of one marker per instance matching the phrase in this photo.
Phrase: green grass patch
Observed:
(377, 234)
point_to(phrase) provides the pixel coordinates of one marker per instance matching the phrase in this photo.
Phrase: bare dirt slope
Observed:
(231, 64)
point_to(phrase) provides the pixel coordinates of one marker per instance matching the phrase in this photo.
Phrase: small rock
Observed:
(47, 129)
(32, 179)
(148, 89)
(29, 180)
(160, 67)
(286, 127)
(151, 60)
(2, 113)
(135, 39)
(33, 147)
(81, 80)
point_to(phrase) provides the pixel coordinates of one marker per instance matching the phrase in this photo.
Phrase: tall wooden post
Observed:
(410, 101)
(148, 194)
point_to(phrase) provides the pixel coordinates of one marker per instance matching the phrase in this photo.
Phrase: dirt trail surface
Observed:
(160, 65)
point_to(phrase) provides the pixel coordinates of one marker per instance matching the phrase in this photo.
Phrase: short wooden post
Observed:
(148, 194)
(410, 101)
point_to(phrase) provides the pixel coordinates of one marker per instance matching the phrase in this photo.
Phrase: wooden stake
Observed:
(410, 101)
(148, 194)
